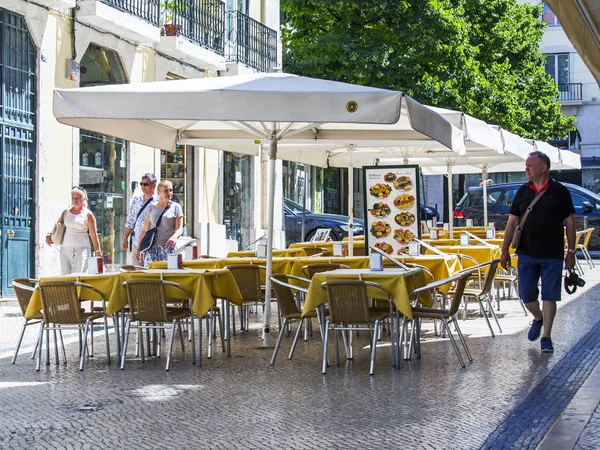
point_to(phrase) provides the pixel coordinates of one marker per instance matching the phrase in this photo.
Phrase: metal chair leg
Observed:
(19, 342)
(281, 331)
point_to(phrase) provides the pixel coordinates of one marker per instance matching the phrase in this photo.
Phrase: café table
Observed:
(205, 286)
(357, 245)
(481, 253)
(280, 264)
(399, 282)
(440, 266)
(285, 253)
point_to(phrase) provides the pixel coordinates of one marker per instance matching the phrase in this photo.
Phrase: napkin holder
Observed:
(95, 265)
(376, 262)
(446, 226)
(175, 261)
(414, 248)
(261, 249)
(338, 248)
(490, 233)
(469, 223)
(464, 240)
(434, 235)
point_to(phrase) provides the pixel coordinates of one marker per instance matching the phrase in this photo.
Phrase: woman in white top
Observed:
(171, 225)
(75, 248)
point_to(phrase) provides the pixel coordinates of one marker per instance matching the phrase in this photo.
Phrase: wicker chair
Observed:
(130, 268)
(314, 251)
(247, 277)
(310, 269)
(61, 306)
(148, 306)
(349, 311)
(484, 292)
(446, 316)
(288, 307)
(24, 288)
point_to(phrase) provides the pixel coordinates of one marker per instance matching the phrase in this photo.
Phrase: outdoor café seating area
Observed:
(360, 303)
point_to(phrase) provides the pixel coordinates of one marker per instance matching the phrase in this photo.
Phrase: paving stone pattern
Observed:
(590, 438)
(242, 402)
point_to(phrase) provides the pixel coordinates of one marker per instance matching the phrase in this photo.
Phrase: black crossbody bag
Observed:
(148, 240)
(132, 234)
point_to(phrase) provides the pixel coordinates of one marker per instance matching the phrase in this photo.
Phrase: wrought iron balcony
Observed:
(201, 22)
(144, 9)
(569, 92)
(250, 42)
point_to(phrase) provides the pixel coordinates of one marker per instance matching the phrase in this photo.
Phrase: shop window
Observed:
(103, 160)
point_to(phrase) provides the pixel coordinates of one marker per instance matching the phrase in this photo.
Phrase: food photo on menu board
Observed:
(391, 207)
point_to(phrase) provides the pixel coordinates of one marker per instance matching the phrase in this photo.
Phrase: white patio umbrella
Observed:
(242, 111)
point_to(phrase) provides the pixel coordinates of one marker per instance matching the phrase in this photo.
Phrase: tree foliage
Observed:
(477, 56)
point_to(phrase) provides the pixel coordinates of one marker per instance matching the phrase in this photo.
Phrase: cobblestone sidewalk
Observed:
(242, 402)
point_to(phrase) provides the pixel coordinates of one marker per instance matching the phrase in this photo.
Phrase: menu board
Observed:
(391, 207)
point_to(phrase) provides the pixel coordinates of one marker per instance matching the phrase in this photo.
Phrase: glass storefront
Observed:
(103, 174)
(238, 195)
(103, 160)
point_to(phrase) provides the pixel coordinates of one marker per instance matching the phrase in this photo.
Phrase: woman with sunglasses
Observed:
(169, 229)
(75, 247)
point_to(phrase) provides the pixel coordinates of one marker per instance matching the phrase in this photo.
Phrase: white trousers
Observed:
(74, 259)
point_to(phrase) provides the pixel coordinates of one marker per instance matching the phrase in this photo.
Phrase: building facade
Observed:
(48, 44)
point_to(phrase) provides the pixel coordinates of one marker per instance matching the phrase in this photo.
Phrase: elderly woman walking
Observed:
(75, 247)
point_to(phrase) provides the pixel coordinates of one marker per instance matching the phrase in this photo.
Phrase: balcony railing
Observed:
(250, 42)
(201, 22)
(144, 9)
(569, 92)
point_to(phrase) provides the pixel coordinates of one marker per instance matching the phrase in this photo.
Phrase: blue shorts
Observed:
(531, 270)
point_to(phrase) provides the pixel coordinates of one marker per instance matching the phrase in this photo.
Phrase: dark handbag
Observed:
(517, 236)
(148, 240)
(132, 234)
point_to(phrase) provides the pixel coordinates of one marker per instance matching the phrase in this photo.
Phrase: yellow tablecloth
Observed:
(105, 283)
(456, 233)
(204, 286)
(480, 253)
(280, 265)
(438, 265)
(399, 282)
(286, 253)
(357, 245)
(437, 242)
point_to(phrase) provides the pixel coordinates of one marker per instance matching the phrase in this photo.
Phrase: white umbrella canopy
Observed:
(240, 111)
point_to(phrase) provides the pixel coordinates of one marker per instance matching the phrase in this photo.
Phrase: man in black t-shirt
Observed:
(541, 248)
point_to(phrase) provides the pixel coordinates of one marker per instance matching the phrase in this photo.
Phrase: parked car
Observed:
(500, 197)
(337, 224)
(429, 213)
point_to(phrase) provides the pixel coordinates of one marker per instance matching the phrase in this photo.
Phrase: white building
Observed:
(45, 44)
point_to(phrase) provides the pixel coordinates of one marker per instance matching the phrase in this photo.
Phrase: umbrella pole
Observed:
(485, 208)
(350, 200)
(270, 215)
(450, 209)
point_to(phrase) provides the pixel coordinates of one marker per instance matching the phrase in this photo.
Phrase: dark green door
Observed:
(17, 148)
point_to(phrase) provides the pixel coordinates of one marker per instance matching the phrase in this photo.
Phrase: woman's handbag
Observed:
(517, 236)
(57, 234)
(148, 240)
(132, 234)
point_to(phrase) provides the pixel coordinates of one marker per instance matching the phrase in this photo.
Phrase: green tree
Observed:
(478, 56)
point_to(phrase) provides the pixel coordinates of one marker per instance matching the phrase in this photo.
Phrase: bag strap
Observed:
(142, 210)
(530, 207)
(162, 214)
(62, 217)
